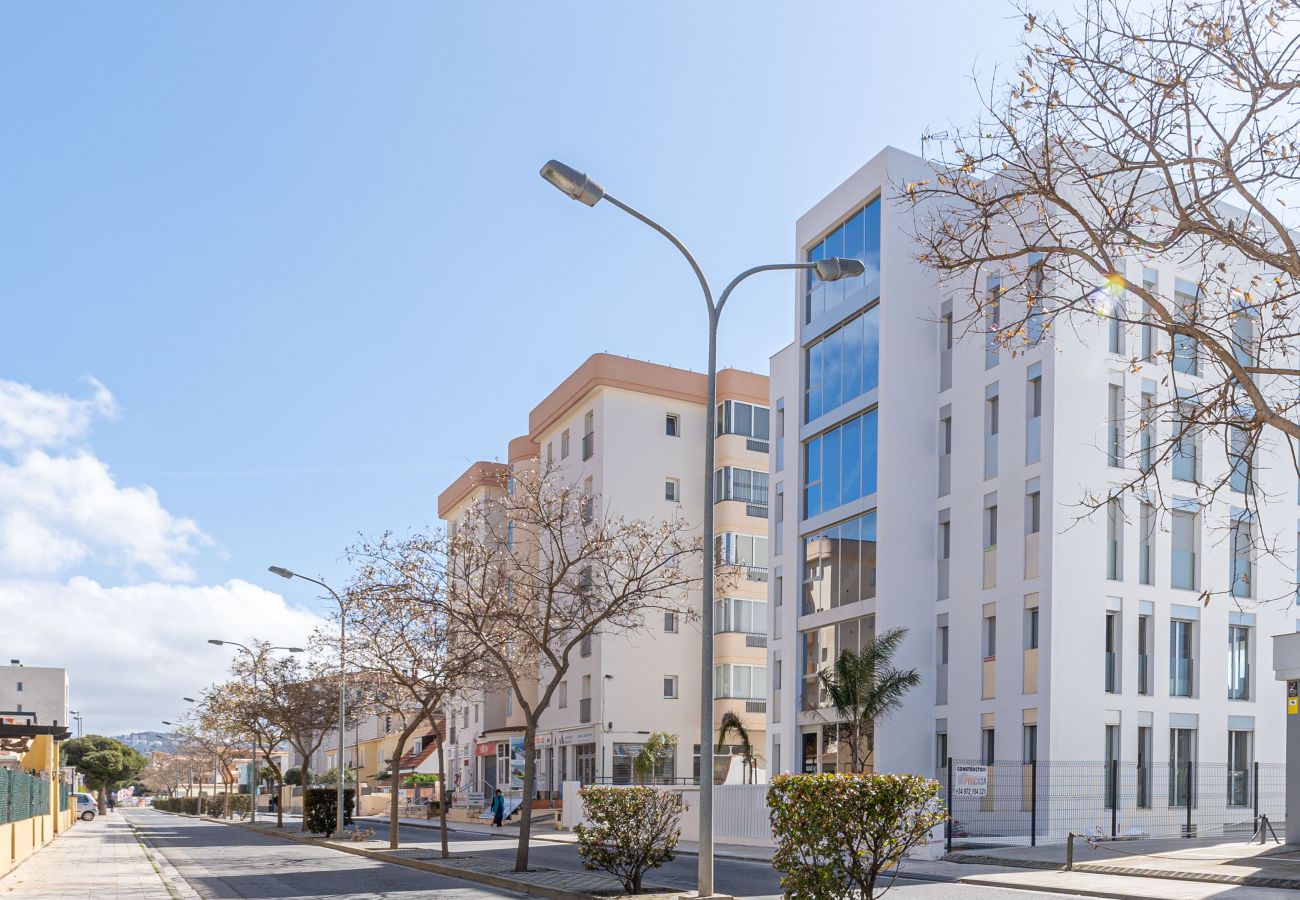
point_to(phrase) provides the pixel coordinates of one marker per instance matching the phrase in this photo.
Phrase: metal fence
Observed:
(22, 796)
(1024, 804)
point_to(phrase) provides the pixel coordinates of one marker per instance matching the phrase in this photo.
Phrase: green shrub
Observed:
(240, 805)
(836, 833)
(319, 809)
(628, 830)
(420, 779)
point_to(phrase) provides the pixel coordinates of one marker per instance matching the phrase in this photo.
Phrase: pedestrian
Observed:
(112, 801)
(498, 809)
(274, 802)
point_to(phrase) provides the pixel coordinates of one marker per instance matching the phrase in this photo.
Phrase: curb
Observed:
(172, 879)
(1263, 881)
(980, 881)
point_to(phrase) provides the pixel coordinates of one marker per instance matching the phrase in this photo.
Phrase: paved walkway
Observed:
(98, 860)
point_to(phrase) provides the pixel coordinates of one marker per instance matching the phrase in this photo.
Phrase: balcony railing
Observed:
(755, 706)
(758, 446)
(584, 710)
(756, 573)
(1180, 677)
(1112, 672)
(757, 510)
(755, 640)
(1144, 673)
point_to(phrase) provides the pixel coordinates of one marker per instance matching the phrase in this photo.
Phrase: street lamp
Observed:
(76, 717)
(253, 774)
(579, 187)
(338, 800)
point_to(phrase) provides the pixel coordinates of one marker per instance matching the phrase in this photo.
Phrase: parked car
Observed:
(87, 807)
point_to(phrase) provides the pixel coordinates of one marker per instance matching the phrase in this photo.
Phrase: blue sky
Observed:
(306, 249)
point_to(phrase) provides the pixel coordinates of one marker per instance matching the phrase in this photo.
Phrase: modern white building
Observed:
(33, 691)
(631, 435)
(935, 483)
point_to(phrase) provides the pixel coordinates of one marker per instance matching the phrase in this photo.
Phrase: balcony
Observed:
(755, 706)
(755, 573)
(584, 710)
(757, 510)
(758, 446)
(755, 640)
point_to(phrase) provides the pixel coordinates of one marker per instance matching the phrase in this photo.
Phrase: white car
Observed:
(87, 807)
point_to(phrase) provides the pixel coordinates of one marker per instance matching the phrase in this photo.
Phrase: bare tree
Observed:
(253, 705)
(1128, 138)
(165, 773)
(211, 732)
(402, 644)
(536, 571)
(302, 700)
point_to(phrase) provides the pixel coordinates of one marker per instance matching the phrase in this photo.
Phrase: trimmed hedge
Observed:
(188, 806)
(836, 833)
(320, 809)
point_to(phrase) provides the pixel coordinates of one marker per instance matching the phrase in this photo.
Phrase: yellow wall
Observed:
(19, 840)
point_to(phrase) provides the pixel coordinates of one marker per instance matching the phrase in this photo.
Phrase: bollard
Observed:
(1069, 853)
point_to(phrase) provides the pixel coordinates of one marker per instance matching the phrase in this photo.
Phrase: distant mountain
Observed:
(148, 741)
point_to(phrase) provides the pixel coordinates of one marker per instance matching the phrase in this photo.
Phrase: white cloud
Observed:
(57, 511)
(31, 418)
(133, 651)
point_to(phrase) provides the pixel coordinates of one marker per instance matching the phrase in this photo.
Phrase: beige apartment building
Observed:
(631, 433)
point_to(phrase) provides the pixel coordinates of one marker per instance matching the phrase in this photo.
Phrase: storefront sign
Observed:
(970, 781)
(584, 736)
(485, 748)
(1292, 697)
(545, 740)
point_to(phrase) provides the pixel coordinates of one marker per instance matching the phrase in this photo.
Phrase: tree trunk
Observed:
(394, 779)
(229, 786)
(279, 800)
(103, 801)
(526, 807)
(302, 778)
(442, 796)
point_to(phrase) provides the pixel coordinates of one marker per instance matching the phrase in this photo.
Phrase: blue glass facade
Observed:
(857, 238)
(842, 365)
(840, 564)
(840, 464)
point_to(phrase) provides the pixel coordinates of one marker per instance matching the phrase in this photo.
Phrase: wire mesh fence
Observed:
(1024, 804)
(22, 796)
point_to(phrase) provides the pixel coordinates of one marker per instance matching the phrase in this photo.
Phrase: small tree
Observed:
(835, 834)
(732, 723)
(535, 570)
(401, 641)
(104, 763)
(252, 704)
(303, 702)
(628, 831)
(659, 749)
(863, 688)
(211, 732)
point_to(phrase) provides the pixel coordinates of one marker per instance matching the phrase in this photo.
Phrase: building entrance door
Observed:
(586, 754)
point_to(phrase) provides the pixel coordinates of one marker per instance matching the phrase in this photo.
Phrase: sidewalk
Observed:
(95, 860)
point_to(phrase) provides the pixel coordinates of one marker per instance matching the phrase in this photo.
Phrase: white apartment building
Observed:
(631, 434)
(934, 484)
(34, 691)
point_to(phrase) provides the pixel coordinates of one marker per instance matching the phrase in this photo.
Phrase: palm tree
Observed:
(731, 722)
(864, 687)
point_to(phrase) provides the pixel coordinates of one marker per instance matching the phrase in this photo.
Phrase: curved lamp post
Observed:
(253, 772)
(579, 187)
(338, 800)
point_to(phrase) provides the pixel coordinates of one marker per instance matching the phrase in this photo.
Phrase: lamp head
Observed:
(189, 700)
(215, 641)
(279, 570)
(835, 268)
(165, 722)
(572, 182)
(295, 649)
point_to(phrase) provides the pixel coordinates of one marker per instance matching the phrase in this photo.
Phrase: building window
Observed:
(1182, 757)
(1112, 653)
(588, 500)
(1144, 767)
(1146, 641)
(940, 751)
(588, 435)
(1031, 628)
(1186, 452)
(745, 485)
(20, 685)
(843, 365)
(1033, 507)
(1183, 540)
(992, 320)
(731, 681)
(991, 526)
(1239, 460)
(670, 687)
(1146, 544)
(670, 623)
(672, 490)
(988, 749)
(563, 691)
(991, 426)
(989, 633)
(1035, 299)
(1185, 349)
(1114, 540)
(1034, 415)
(1240, 568)
(780, 437)
(1147, 433)
(1238, 662)
(672, 425)
(745, 551)
(1239, 766)
(1111, 751)
(1115, 426)
(564, 444)
(1181, 655)
(740, 615)
(747, 420)
(840, 564)
(1150, 284)
(857, 238)
(1029, 744)
(840, 465)
(1118, 315)
(585, 647)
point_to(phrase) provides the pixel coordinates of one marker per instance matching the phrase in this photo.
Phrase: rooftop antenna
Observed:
(929, 135)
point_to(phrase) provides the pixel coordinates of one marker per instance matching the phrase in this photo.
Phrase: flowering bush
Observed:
(629, 831)
(835, 834)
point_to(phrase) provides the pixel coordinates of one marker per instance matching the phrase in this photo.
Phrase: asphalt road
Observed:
(224, 862)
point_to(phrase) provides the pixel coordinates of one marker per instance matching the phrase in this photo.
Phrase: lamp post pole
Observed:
(338, 800)
(253, 773)
(581, 188)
